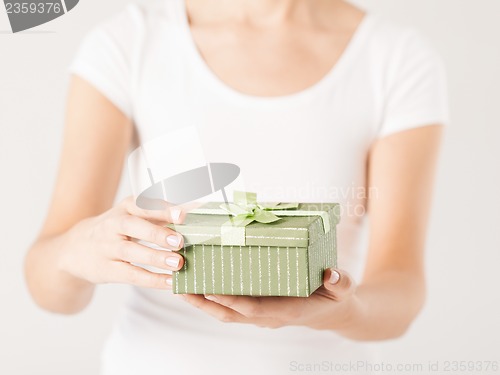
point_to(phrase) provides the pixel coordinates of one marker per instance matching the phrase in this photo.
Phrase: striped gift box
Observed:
(284, 258)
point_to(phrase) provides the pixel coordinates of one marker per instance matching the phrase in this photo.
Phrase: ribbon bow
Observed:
(246, 210)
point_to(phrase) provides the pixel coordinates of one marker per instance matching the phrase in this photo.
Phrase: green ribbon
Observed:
(246, 210)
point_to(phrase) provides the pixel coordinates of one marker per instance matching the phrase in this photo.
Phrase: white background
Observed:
(461, 320)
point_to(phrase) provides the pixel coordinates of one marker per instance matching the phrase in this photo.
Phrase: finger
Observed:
(132, 252)
(126, 273)
(216, 310)
(142, 229)
(288, 308)
(228, 315)
(338, 284)
(170, 213)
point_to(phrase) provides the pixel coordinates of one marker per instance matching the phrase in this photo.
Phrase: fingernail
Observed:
(175, 214)
(211, 298)
(173, 240)
(334, 277)
(169, 281)
(172, 262)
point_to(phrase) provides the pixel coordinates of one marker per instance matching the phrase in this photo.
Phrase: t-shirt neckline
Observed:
(217, 84)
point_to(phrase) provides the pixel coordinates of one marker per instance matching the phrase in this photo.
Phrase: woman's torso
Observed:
(308, 146)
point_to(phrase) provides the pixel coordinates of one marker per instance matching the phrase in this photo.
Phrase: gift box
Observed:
(246, 248)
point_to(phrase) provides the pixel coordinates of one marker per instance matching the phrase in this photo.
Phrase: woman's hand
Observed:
(101, 249)
(330, 307)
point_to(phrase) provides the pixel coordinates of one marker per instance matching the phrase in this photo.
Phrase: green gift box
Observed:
(257, 249)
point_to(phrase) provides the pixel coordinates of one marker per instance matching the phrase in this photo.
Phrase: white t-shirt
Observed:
(308, 146)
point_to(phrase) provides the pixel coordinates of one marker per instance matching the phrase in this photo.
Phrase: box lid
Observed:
(291, 231)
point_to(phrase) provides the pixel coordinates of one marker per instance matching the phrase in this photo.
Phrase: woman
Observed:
(315, 101)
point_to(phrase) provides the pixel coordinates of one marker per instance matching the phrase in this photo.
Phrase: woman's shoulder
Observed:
(141, 16)
(410, 76)
(392, 41)
(110, 52)
(125, 32)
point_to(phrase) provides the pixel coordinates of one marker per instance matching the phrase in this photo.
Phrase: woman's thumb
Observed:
(338, 283)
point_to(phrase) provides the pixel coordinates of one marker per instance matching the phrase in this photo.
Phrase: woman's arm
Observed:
(401, 173)
(83, 240)
(96, 138)
(401, 179)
